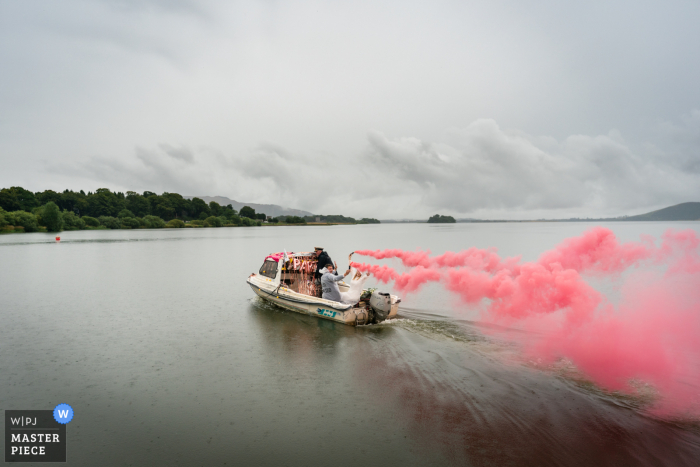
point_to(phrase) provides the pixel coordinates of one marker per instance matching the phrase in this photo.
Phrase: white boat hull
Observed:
(268, 290)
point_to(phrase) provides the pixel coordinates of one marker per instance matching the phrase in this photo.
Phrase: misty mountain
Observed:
(679, 212)
(272, 210)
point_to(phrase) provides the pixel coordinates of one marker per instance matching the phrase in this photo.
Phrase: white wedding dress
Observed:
(352, 296)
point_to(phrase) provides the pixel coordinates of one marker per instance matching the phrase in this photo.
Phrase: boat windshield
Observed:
(269, 269)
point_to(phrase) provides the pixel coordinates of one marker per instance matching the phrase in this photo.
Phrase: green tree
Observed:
(72, 201)
(79, 202)
(295, 220)
(47, 196)
(175, 224)
(215, 208)
(125, 213)
(24, 219)
(9, 201)
(153, 222)
(333, 219)
(162, 207)
(10, 217)
(438, 219)
(104, 203)
(247, 211)
(3, 221)
(17, 198)
(91, 221)
(110, 222)
(137, 204)
(198, 208)
(228, 213)
(130, 223)
(213, 221)
(261, 216)
(178, 203)
(71, 221)
(52, 217)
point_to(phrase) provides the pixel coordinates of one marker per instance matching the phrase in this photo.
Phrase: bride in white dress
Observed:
(352, 296)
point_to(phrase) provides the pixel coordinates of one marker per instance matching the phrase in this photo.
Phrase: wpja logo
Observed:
(37, 435)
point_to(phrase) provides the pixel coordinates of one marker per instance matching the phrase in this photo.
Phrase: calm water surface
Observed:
(168, 358)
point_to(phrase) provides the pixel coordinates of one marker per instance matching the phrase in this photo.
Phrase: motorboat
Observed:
(287, 280)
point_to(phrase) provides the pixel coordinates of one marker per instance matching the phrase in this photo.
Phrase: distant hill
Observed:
(679, 212)
(271, 210)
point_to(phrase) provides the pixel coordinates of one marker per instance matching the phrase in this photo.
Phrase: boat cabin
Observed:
(296, 274)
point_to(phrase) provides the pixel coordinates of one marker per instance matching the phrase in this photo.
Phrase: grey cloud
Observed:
(485, 167)
(82, 80)
(408, 158)
(681, 141)
(182, 153)
(149, 169)
(481, 169)
(293, 177)
(176, 6)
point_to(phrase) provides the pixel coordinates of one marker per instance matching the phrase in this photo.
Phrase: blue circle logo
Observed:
(63, 413)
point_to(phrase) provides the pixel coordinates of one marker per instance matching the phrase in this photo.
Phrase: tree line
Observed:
(75, 210)
(23, 210)
(329, 219)
(340, 219)
(438, 219)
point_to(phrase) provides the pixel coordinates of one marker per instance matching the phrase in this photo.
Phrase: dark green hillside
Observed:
(679, 212)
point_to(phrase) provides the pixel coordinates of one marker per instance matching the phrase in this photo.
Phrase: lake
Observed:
(168, 358)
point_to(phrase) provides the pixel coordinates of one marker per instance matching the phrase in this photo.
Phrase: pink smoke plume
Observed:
(407, 282)
(652, 335)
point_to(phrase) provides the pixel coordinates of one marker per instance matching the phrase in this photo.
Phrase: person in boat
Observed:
(352, 296)
(329, 280)
(323, 261)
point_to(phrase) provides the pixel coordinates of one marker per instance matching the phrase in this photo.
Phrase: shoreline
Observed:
(20, 230)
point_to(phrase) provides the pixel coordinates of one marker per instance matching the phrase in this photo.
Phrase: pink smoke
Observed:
(407, 282)
(652, 335)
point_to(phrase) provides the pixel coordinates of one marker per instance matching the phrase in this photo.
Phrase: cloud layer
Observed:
(373, 108)
(478, 171)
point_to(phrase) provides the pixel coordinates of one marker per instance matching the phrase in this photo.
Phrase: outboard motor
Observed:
(380, 302)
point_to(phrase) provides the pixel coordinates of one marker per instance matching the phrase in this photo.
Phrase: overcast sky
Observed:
(387, 109)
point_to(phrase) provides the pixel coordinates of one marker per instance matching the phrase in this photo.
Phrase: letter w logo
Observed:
(15, 421)
(62, 414)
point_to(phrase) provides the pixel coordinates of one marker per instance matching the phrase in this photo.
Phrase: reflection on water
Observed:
(168, 359)
(489, 415)
(299, 336)
(478, 411)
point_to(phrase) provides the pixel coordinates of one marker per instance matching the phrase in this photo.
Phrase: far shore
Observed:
(41, 229)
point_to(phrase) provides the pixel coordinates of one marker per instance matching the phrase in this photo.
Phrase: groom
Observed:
(329, 281)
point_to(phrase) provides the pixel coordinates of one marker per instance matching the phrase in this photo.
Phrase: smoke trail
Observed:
(653, 334)
(407, 282)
